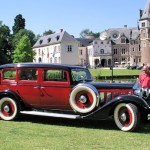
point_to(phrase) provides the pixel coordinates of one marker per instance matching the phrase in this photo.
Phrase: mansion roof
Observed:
(55, 38)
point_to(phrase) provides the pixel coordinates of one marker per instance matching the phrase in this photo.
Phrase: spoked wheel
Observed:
(9, 109)
(83, 99)
(127, 117)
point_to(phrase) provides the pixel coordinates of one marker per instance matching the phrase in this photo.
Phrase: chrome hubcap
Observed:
(6, 108)
(83, 99)
(123, 117)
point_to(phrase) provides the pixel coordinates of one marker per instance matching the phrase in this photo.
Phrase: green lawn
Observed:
(116, 72)
(43, 133)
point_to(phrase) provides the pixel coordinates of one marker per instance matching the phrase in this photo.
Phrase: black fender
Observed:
(11, 94)
(107, 110)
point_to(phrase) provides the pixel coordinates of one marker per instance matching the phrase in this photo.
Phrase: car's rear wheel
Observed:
(9, 109)
(83, 99)
(127, 116)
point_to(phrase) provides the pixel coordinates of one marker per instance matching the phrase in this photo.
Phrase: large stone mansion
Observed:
(115, 46)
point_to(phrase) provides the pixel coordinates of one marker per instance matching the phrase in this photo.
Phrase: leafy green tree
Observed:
(5, 44)
(48, 32)
(87, 32)
(23, 51)
(19, 23)
(37, 37)
(0, 23)
(3, 58)
(20, 34)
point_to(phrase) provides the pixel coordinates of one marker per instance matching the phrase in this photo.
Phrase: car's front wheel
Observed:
(9, 109)
(127, 116)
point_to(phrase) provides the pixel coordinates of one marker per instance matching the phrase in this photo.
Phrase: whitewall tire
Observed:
(127, 116)
(9, 109)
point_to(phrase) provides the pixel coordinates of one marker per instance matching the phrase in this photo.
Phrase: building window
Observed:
(39, 60)
(123, 59)
(139, 60)
(115, 51)
(81, 52)
(69, 48)
(143, 24)
(123, 40)
(123, 51)
(55, 59)
(148, 33)
(51, 60)
(59, 49)
(57, 37)
(102, 51)
(115, 59)
(40, 42)
(95, 42)
(101, 42)
(39, 51)
(133, 49)
(48, 40)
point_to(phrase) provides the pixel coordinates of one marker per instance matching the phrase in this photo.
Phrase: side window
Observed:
(28, 74)
(55, 75)
(9, 74)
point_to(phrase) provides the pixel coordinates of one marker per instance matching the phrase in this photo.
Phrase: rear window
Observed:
(9, 74)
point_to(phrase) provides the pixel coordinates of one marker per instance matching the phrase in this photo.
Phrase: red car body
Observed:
(69, 92)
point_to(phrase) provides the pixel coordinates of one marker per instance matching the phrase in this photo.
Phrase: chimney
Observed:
(125, 26)
(61, 30)
(141, 13)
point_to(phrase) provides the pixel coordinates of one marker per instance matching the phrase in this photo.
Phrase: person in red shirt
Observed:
(144, 78)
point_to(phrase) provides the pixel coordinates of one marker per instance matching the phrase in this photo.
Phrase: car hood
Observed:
(103, 85)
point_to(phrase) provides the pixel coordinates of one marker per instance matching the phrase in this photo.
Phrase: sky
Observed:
(72, 16)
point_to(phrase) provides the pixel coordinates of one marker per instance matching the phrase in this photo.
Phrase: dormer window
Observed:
(123, 40)
(40, 42)
(48, 40)
(57, 37)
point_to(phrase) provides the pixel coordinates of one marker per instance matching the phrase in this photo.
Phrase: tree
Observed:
(87, 32)
(5, 44)
(1, 23)
(23, 51)
(48, 32)
(20, 34)
(19, 23)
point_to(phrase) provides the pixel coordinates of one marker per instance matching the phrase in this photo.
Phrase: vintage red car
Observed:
(68, 92)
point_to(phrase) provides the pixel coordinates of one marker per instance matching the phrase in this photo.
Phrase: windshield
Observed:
(81, 75)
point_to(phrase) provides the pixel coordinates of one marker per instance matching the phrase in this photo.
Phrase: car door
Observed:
(55, 86)
(28, 86)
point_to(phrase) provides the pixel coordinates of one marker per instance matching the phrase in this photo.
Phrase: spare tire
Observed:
(84, 98)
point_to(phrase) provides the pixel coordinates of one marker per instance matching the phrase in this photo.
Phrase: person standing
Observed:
(144, 78)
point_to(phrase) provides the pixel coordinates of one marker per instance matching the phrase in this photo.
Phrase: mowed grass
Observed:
(116, 72)
(44, 133)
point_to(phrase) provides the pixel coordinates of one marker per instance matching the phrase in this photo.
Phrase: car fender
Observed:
(10, 93)
(106, 110)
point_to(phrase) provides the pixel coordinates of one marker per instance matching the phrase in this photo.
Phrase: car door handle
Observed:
(42, 87)
(36, 87)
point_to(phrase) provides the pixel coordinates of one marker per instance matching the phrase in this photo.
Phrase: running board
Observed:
(48, 114)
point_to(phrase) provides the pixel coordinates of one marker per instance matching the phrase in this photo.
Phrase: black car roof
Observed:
(40, 65)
